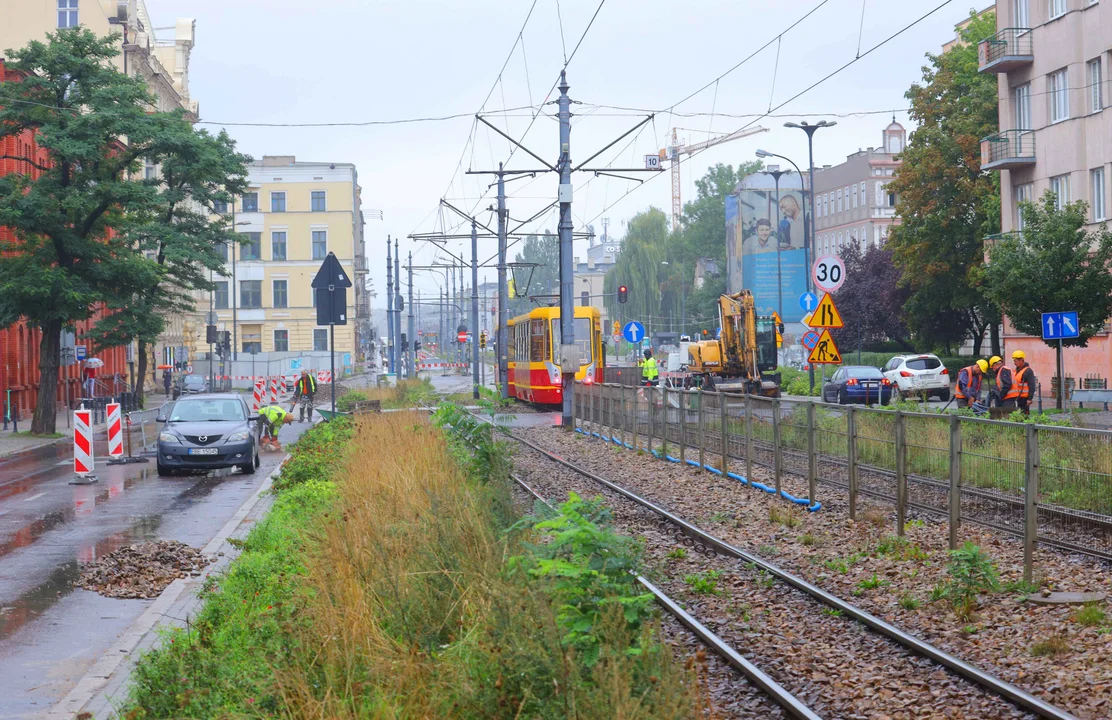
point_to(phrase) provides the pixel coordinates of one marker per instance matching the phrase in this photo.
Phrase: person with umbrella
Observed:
(166, 378)
(89, 375)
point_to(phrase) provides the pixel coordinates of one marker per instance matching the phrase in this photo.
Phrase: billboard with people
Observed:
(766, 244)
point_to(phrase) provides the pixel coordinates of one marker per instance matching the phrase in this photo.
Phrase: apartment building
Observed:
(1051, 59)
(294, 214)
(853, 207)
(161, 62)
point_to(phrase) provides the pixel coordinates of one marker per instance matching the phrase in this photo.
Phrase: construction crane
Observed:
(673, 152)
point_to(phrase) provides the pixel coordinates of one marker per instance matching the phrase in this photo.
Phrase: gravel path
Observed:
(832, 664)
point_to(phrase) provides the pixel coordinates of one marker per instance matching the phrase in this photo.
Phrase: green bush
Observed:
(314, 455)
(347, 401)
(971, 572)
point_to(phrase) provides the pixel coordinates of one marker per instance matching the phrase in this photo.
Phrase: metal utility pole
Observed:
(474, 311)
(503, 290)
(392, 365)
(411, 370)
(397, 309)
(569, 358)
(235, 302)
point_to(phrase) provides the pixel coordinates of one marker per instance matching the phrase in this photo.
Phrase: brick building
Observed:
(19, 344)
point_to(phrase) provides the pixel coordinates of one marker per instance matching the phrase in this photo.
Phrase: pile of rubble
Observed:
(141, 571)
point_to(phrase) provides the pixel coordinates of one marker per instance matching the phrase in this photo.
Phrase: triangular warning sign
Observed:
(825, 352)
(826, 315)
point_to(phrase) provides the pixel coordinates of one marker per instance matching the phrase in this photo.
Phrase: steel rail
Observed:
(1013, 694)
(733, 658)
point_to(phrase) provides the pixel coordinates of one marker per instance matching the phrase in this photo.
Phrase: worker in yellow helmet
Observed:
(1025, 382)
(1006, 389)
(968, 390)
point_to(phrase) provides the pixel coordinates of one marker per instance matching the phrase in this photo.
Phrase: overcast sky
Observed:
(282, 61)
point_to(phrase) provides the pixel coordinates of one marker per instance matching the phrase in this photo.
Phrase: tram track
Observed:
(901, 649)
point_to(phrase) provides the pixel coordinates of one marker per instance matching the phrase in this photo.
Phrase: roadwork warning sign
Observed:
(825, 351)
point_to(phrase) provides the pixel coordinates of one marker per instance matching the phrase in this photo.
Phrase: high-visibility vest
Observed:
(648, 370)
(1013, 389)
(274, 414)
(973, 380)
(1022, 385)
(306, 384)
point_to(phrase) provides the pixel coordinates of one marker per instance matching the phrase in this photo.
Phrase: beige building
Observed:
(852, 204)
(295, 213)
(163, 62)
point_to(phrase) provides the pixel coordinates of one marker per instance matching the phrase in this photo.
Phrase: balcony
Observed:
(362, 312)
(1008, 149)
(361, 264)
(1005, 51)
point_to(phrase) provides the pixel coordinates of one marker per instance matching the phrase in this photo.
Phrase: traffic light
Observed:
(210, 334)
(482, 340)
(623, 293)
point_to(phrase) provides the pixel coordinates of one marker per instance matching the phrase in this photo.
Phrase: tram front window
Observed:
(582, 339)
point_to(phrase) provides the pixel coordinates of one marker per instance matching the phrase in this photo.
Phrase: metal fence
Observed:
(1045, 484)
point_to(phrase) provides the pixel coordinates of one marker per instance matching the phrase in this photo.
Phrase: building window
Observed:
(854, 197)
(1096, 92)
(839, 201)
(250, 293)
(280, 298)
(1057, 8)
(585, 298)
(220, 295)
(251, 202)
(1020, 14)
(1096, 181)
(281, 341)
(150, 170)
(1057, 88)
(220, 207)
(277, 202)
(253, 249)
(252, 347)
(891, 199)
(317, 201)
(278, 245)
(67, 13)
(1060, 186)
(847, 198)
(320, 339)
(320, 244)
(863, 195)
(1022, 99)
(1023, 193)
(222, 251)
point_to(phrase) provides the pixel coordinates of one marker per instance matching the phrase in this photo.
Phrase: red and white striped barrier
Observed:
(324, 376)
(257, 399)
(115, 430)
(82, 442)
(273, 390)
(430, 366)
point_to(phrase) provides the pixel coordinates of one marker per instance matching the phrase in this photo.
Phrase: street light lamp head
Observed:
(663, 262)
(763, 153)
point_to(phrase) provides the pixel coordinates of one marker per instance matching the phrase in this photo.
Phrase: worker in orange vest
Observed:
(1025, 381)
(1006, 387)
(968, 390)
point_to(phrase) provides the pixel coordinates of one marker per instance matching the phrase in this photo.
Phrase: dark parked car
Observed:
(857, 384)
(191, 385)
(207, 432)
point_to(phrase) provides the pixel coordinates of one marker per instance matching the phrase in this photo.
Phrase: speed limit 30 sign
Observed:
(829, 272)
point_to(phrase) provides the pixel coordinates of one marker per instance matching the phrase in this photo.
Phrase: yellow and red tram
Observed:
(534, 352)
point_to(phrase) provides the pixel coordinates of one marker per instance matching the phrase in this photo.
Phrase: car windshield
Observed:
(213, 410)
(927, 363)
(194, 380)
(863, 373)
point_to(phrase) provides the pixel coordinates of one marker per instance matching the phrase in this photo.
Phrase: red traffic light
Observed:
(623, 293)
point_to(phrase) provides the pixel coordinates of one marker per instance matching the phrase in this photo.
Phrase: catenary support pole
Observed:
(412, 335)
(474, 311)
(391, 365)
(569, 357)
(503, 290)
(397, 309)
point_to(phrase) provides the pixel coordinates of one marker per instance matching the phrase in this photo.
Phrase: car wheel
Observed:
(249, 467)
(843, 399)
(944, 396)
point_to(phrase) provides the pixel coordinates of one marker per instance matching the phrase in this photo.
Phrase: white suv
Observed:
(918, 375)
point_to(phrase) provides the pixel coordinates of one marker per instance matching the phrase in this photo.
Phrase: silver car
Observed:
(923, 375)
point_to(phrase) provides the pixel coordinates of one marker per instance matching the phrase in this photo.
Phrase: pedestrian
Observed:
(89, 376)
(969, 384)
(649, 372)
(303, 391)
(166, 378)
(1025, 382)
(271, 420)
(1006, 390)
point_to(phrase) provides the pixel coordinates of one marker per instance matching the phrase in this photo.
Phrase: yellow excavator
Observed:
(743, 358)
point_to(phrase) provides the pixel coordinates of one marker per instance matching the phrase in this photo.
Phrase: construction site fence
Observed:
(1049, 486)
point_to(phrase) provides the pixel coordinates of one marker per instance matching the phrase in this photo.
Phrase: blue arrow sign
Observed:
(808, 301)
(633, 331)
(1060, 325)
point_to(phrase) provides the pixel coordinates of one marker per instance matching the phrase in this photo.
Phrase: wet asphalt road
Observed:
(51, 632)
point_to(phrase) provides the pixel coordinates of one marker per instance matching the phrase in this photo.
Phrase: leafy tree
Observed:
(946, 203)
(72, 250)
(638, 267)
(175, 230)
(1053, 265)
(870, 300)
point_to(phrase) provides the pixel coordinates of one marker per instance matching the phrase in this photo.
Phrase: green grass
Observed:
(704, 583)
(873, 582)
(1091, 615)
(677, 554)
(909, 602)
(1051, 647)
(43, 436)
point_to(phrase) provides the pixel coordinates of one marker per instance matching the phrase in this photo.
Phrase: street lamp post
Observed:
(810, 130)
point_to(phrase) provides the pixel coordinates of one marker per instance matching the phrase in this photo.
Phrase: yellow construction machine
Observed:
(743, 358)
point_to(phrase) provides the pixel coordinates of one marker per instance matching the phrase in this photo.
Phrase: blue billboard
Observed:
(766, 245)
